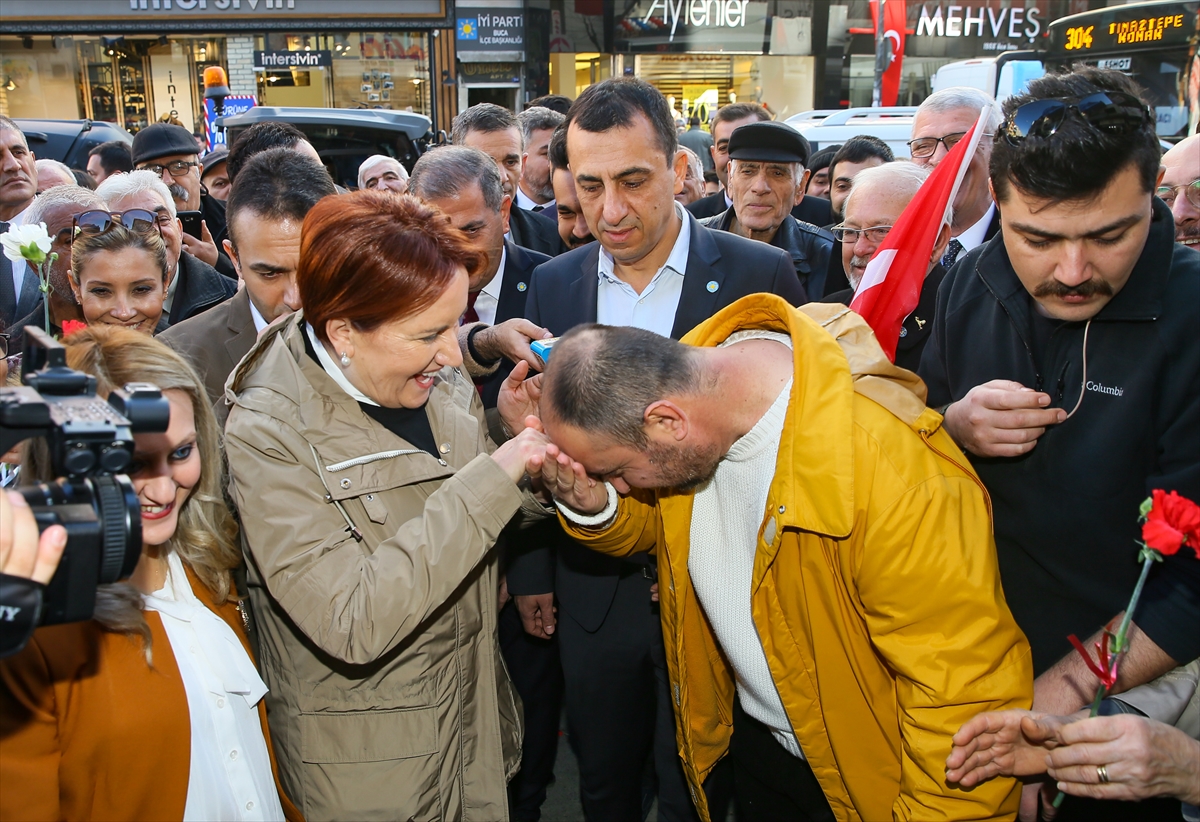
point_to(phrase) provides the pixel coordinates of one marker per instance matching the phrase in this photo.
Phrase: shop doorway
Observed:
(503, 96)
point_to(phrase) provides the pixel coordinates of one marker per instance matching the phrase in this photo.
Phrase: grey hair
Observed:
(538, 119)
(899, 177)
(76, 196)
(446, 170)
(135, 182)
(377, 159)
(963, 97)
(485, 117)
(62, 168)
(11, 124)
(695, 167)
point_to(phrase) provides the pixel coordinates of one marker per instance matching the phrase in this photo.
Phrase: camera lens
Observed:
(103, 519)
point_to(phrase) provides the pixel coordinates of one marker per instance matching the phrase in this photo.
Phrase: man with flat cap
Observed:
(170, 152)
(766, 179)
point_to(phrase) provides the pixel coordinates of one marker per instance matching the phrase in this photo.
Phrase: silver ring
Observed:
(1102, 772)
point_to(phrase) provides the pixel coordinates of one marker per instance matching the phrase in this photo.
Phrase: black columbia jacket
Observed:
(1066, 513)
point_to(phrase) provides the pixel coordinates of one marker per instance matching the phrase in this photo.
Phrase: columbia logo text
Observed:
(1099, 388)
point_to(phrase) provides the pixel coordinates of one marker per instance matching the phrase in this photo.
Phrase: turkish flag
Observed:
(895, 17)
(891, 286)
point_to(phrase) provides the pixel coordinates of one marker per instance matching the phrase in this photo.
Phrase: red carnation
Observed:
(1172, 521)
(71, 326)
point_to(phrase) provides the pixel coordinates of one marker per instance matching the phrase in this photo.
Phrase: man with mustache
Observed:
(1065, 359)
(170, 152)
(1180, 189)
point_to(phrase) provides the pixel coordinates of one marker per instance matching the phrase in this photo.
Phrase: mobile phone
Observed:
(543, 348)
(191, 222)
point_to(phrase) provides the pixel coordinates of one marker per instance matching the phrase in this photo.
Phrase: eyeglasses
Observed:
(178, 168)
(135, 219)
(1114, 112)
(875, 234)
(1191, 193)
(924, 147)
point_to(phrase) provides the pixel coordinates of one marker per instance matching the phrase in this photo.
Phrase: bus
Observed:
(1154, 43)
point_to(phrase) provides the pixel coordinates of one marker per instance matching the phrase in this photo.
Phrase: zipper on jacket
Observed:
(1037, 382)
(987, 498)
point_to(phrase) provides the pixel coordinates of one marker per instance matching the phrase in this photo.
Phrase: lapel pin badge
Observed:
(521, 286)
(712, 286)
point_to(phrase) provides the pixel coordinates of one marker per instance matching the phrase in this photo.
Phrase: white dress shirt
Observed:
(229, 776)
(527, 203)
(654, 309)
(973, 236)
(260, 322)
(19, 269)
(488, 300)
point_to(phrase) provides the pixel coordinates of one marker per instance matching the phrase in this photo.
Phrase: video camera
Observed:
(90, 444)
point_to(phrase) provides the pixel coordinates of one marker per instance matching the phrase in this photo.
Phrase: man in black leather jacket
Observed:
(766, 177)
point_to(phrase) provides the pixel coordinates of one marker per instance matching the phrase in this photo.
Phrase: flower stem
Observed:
(1118, 645)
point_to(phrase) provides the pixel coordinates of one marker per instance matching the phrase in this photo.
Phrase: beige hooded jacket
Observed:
(374, 588)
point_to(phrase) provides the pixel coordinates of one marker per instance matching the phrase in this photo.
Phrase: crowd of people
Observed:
(538, 428)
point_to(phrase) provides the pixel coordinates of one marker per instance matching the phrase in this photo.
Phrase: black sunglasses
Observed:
(97, 222)
(1111, 111)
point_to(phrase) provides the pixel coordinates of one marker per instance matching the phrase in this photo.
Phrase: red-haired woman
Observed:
(370, 498)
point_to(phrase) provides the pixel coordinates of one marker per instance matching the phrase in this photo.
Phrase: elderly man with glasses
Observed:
(941, 121)
(1179, 188)
(169, 151)
(877, 198)
(1065, 359)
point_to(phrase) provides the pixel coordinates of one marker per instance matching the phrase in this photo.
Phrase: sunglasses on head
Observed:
(98, 222)
(1114, 112)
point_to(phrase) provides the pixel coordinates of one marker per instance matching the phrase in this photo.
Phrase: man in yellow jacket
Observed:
(829, 590)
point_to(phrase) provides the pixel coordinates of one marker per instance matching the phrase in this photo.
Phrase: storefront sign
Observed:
(473, 74)
(236, 104)
(693, 25)
(489, 29)
(171, 81)
(979, 21)
(78, 15)
(292, 59)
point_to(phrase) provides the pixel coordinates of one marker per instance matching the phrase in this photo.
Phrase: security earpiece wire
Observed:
(1083, 380)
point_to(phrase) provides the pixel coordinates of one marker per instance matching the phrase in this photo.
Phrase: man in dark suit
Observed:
(267, 204)
(657, 268)
(495, 131)
(18, 186)
(878, 196)
(942, 119)
(464, 184)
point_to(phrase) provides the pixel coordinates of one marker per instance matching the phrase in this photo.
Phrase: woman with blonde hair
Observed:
(119, 269)
(152, 709)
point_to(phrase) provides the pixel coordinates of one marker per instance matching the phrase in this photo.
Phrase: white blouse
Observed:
(230, 776)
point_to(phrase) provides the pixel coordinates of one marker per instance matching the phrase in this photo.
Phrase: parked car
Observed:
(823, 128)
(344, 137)
(69, 141)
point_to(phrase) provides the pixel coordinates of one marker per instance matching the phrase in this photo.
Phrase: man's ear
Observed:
(680, 165)
(664, 420)
(506, 210)
(802, 186)
(227, 244)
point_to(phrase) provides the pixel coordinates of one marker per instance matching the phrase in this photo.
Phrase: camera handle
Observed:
(20, 612)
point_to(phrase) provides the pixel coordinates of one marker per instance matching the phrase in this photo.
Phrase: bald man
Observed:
(1179, 188)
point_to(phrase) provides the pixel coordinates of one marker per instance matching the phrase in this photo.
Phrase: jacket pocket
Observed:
(371, 765)
(341, 738)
